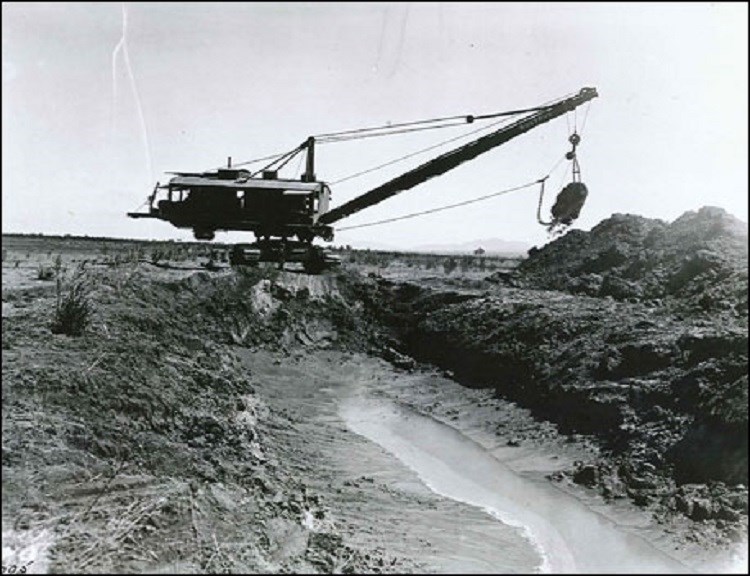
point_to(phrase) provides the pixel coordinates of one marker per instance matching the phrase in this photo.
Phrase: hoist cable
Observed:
(585, 116)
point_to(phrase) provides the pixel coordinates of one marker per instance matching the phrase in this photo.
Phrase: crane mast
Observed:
(456, 157)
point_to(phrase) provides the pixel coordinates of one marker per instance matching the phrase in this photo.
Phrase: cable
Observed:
(285, 162)
(254, 161)
(286, 157)
(473, 200)
(403, 124)
(585, 116)
(422, 151)
(449, 206)
(539, 207)
(467, 118)
(142, 205)
(448, 141)
(299, 165)
(402, 131)
(389, 126)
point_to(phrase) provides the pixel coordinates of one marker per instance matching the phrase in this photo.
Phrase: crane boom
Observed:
(456, 157)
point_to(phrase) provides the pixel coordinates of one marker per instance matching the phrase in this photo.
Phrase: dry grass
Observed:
(73, 311)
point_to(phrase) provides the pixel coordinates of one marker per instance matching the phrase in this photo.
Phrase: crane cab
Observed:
(232, 199)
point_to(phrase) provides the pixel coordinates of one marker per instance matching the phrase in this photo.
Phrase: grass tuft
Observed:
(74, 309)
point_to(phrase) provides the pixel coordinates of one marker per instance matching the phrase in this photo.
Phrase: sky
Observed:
(90, 122)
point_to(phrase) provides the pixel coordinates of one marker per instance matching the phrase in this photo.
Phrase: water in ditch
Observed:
(568, 536)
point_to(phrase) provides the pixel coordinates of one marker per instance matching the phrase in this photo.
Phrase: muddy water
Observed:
(432, 493)
(374, 499)
(568, 536)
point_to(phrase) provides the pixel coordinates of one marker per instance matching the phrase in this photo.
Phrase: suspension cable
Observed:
(289, 158)
(332, 139)
(253, 161)
(467, 118)
(444, 142)
(285, 157)
(391, 126)
(422, 151)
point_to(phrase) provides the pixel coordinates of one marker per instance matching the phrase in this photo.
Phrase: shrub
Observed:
(450, 265)
(45, 273)
(73, 311)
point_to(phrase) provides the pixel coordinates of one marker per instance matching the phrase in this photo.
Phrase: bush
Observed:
(73, 312)
(450, 265)
(44, 273)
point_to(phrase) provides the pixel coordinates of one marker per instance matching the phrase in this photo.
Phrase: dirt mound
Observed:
(700, 260)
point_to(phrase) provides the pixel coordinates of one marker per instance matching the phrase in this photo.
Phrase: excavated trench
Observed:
(416, 329)
(243, 387)
(591, 366)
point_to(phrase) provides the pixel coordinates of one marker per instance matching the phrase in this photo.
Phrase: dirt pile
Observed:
(700, 260)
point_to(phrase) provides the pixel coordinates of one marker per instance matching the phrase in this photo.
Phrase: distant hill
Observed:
(490, 246)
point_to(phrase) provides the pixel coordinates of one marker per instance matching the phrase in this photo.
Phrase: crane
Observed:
(277, 210)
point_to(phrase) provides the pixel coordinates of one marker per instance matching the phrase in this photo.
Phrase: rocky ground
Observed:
(150, 443)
